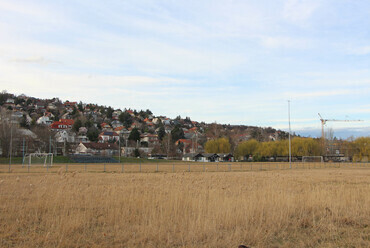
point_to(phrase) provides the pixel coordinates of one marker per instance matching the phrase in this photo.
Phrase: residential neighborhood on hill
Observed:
(66, 127)
(77, 128)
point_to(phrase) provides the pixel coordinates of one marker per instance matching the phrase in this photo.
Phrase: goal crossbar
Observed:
(44, 156)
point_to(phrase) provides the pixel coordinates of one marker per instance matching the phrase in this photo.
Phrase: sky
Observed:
(230, 61)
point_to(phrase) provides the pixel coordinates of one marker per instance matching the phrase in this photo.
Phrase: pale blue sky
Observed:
(234, 62)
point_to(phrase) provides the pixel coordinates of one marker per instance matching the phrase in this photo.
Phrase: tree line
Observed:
(358, 149)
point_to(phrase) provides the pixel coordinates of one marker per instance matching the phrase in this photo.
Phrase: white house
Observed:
(44, 120)
(65, 136)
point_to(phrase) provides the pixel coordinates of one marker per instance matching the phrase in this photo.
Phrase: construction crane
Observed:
(323, 122)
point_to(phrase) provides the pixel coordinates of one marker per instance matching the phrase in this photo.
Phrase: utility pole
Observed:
(168, 145)
(196, 141)
(290, 144)
(49, 143)
(11, 143)
(126, 148)
(23, 152)
(119, 147)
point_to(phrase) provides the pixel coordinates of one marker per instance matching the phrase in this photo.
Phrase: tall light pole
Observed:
(290, 144)
(119, 147)
(11, 143)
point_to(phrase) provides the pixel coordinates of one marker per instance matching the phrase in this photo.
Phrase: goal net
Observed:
(45, 159)
(312, 159)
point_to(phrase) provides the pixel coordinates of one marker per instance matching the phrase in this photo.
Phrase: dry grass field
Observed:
(328, 207)
(177, 166)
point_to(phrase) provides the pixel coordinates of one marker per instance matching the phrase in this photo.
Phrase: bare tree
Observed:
(44, 135)
(8, 132)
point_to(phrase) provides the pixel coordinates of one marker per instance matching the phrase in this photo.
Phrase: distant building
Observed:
(62, 124)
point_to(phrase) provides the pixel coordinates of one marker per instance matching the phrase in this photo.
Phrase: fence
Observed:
(171, 167)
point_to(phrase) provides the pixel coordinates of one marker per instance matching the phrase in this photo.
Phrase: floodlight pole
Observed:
(119, 147)
(290, 144)
(23, 152)
(11, 143)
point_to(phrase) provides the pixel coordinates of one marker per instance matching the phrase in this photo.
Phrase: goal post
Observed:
(46, 159)
(312, 159)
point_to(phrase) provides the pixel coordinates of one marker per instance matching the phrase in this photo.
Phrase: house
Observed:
(40, 105)
(136, 125)
(82, 138)
(44, 120)
(69, 106)
(108, 136)
(82, 130)
(129, 151)
(130, 112)
(106, 127)
(157, 156)
(62, 124)
(49, 114)
(150, 139)
(65, 136)
(105, 149)
(17, 115)
(156, 120)
(208, 157)
(147, 120)
(190, 156)
(120, 129)
(189, 135)
(66, 116)
(166, 122)
(116, 123)
(198, 157)
(116, 114)
(51, 106)
(10, 101)
(122, 132)
(225, 157)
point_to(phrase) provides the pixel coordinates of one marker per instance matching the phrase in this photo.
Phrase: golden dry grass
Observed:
(175, 167)
(286, 208)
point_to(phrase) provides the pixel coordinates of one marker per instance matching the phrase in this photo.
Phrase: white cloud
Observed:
(323, 93)
(26, 8)
(299, 11)
(34, 60)
(286, 42)
(364, 50)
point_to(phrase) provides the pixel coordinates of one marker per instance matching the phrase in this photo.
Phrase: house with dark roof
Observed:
(105, 149)
(208, 157)
(108, 136)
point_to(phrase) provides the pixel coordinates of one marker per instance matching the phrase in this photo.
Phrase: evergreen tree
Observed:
(177, 133)
(92, 134)
(161, 132)
(134, 135)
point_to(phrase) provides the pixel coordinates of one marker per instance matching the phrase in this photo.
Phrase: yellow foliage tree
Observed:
(221, 145)
(246, 148)
(361, 147)
(300, 147)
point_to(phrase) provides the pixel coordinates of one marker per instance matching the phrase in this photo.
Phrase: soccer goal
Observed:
(45, 159)
(312, 159)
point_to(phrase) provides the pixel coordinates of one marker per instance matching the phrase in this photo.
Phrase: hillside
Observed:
(87, 122)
